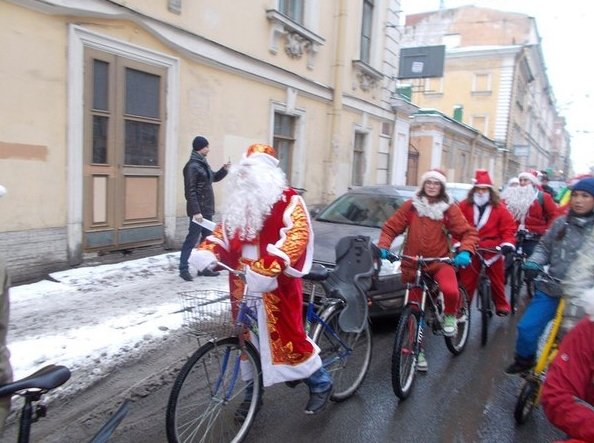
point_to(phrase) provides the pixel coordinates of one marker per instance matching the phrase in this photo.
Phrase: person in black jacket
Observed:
(200, 203)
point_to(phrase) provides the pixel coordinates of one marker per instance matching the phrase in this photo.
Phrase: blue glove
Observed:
(384, 253)
(462, 259)
(531, 269)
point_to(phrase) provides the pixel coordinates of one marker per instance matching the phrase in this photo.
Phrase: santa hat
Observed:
(513, 181)
(435, 174)
(529, 175)
(482, 179)
(263, 154)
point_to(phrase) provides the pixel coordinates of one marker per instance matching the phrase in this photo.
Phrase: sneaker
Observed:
(318, 401)
(207, 273)
(520, 366)
(422, 365)
(186, 275)
(450, 326)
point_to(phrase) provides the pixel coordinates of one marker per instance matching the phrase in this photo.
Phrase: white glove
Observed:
(259, 283)
(202, 259)
(198, 218)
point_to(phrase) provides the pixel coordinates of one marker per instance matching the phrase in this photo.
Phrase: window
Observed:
(284, 140)
(433, 85)
(358, 159)
(481, 83)
(383, 162)
(366, 26)
(292, 9)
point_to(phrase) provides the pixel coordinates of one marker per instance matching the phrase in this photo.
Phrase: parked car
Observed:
(459, 191)
(363, 211)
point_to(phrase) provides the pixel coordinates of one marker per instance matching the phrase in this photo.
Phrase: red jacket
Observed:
(568, 391)
(540, 217)
(495, 227)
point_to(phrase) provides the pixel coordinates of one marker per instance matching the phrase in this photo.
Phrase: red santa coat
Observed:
(496, 227)
(568, 391)
(540, 216)
(282, 252)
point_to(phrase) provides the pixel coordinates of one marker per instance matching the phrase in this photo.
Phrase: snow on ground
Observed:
(94, 319)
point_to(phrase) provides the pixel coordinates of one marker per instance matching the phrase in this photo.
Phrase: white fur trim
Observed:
(479, 223)
(201, 259)
(587, 301)
(434, 175)
(258, 283)
(528, 176)
(434, 211)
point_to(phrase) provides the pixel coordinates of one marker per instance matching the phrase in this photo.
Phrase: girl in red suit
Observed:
(496, 227)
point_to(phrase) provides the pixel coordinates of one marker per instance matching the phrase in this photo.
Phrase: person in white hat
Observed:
(430, 217)
(266, 232)
(5, 367)
(496, 227)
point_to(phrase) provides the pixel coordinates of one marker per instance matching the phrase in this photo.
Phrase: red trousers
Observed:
(445, 276)
(495, 272)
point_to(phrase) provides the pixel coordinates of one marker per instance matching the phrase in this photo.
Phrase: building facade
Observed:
(102, 98)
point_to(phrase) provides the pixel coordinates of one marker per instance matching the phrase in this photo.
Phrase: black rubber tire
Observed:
(484, 294)
(195, 391)
(405, 352)
(457, 344)
(348, 368)
(516, 286)
(526, 401)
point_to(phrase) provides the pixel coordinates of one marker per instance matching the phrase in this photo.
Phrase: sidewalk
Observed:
(94, 319)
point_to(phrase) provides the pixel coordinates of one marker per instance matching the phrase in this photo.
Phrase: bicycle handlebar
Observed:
(230, 269)
(420, 258)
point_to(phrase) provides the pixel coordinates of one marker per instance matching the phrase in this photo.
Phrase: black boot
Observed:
(520, 366)
(318, 401)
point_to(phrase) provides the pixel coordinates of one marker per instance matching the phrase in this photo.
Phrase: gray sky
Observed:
(563, 28)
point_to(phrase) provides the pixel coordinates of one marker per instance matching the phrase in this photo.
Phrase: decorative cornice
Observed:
(298, 39)
(368, 77)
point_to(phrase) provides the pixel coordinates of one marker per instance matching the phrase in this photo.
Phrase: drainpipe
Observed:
(333, 156)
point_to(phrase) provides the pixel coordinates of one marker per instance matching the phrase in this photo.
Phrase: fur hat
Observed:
(263, 154)
(481, 179)
(586, 185)
(529, 175)
(435, 174)
(199, 143)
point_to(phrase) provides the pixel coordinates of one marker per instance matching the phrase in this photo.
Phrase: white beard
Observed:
(252, 188)
(518, 200)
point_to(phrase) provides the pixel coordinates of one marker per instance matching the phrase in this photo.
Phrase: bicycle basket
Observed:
(207, 312)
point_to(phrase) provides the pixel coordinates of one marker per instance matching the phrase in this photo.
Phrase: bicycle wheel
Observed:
(484, 296)
(204, 404)
(527, 400)
(404, 354)
(346, 355)
(516, 285)
(457, 343)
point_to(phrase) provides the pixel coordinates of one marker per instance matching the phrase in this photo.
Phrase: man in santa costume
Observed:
(496, 227)
(533, 209)
(266, 232)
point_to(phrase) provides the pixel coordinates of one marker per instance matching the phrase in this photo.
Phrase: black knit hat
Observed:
(199, 143)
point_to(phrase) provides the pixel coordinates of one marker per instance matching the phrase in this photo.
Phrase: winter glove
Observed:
(384, 254)
(531, 270)
(507, 249)
(259, 283)
(197, 218)
(462, 259)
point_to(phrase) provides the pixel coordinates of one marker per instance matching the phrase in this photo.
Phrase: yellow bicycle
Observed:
(529, 397)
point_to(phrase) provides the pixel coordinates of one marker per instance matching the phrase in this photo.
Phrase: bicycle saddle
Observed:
(351, 279)
(48, 377)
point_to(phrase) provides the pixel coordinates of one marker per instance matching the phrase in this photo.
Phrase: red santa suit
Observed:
(277, 257)
(496, 227)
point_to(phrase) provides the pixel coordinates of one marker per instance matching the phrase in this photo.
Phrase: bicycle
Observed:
(430, 310)
(484, 300)
(33, 387)
(529, 397)
(519, 257)
(211, 387)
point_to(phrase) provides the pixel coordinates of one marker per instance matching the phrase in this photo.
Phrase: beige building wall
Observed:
(224, 79)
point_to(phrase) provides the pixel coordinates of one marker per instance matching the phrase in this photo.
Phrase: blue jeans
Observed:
(319, 381)
(194, 232)
(538, 313)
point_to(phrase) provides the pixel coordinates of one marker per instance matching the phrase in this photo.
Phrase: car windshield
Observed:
(459, 192)
(361, 209)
